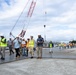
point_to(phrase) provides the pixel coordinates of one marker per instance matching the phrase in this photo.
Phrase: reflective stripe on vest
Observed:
(3, 44)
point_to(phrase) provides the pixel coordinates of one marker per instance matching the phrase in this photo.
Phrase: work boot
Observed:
(32, 57)
(2, 58)
(37, 57)
(50, 51)
(40, 57)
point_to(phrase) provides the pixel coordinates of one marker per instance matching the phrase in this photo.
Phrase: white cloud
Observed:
(59, 20)
(72, 26)
(13, 10)
(66, 17)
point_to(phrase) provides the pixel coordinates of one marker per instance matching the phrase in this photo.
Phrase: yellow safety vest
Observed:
(3, 44)
(50, 45)
(31, 43)
(0, 43)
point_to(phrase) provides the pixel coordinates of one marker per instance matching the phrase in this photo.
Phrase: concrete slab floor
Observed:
(39, 67)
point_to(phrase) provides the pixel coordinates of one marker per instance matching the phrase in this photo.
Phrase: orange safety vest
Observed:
(27, 45)
(23, 44)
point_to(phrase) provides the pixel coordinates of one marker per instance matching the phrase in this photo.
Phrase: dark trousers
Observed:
(10, 49)
(27, 51)
(17, 52)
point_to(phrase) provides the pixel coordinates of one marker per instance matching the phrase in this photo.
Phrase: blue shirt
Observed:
(40, 42)
(17, 44)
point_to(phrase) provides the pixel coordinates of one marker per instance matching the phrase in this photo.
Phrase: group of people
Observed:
(66, 45)
(21, 46)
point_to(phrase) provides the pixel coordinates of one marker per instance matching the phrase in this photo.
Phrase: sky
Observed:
(60, 19)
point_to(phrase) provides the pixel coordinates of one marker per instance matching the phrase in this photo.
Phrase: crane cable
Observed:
(20, 16)
(29, 15)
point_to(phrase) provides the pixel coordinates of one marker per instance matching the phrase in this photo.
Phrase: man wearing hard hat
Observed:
(3, 45)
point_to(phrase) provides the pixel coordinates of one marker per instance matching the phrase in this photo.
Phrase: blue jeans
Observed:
(24, 51)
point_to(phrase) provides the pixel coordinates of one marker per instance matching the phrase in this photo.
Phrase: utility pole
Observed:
(44, 33)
